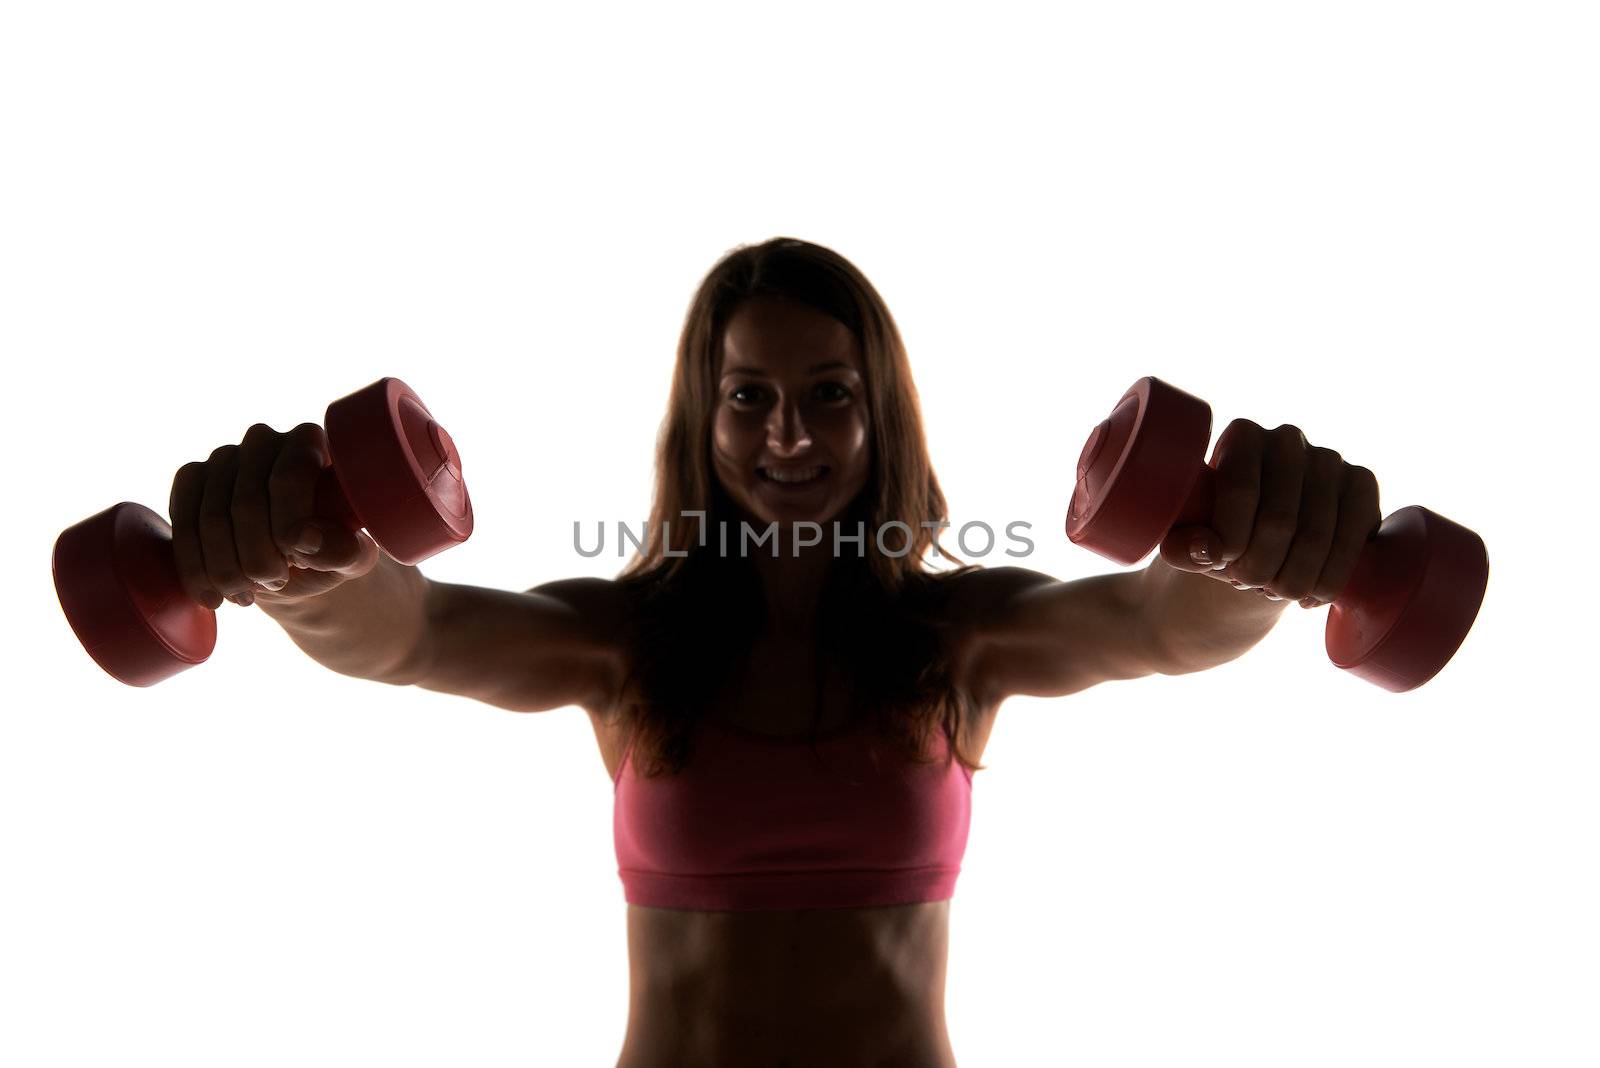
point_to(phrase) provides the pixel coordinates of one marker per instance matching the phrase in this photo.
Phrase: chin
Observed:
(759, 513)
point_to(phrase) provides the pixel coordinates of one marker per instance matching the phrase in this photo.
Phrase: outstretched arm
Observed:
(1023, 633)
(1289, 521)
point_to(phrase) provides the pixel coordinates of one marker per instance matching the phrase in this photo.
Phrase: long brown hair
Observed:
(695, 609)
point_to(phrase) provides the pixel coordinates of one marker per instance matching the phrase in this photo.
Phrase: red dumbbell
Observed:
(1409, 604)
(395, 472)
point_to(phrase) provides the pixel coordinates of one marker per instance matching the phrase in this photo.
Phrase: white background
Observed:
(1376, 221)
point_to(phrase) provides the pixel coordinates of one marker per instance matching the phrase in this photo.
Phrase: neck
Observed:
(791, 586)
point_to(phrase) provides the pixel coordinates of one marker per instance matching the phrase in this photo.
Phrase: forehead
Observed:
(774, 334)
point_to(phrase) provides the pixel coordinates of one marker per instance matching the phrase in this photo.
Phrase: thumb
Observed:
(1192, 548)
(332, 547)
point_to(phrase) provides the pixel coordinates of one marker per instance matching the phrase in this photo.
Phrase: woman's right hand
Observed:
(238, 519)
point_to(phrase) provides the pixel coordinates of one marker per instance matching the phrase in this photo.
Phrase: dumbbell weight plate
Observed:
(118, 586)
(399, 470)
(1137, 470)
(1410, 602)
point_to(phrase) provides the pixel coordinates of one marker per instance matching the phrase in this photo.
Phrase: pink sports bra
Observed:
(756, 822)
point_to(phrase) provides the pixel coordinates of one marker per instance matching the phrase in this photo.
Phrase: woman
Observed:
(792, 725)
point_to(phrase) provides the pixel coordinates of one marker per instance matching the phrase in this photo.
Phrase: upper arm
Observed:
(1027, 634)
(557, 644)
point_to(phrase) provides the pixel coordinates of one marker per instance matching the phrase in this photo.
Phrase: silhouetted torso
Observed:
(837, 987)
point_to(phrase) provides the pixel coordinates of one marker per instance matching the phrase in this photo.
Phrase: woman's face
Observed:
(790, 399)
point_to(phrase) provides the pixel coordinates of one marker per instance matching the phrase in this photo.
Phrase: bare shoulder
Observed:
(974, 607)
(977, 595)
(982, 603)
(602, 603)
(601, 613)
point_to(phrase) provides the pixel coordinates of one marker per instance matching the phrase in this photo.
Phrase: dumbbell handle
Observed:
(330, 501)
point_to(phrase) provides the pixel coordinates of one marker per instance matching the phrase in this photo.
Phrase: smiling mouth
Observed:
(797, 477)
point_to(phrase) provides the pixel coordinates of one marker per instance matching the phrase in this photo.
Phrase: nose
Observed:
(786, 431)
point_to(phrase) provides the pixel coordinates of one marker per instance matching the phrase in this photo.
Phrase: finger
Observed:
(1359, 519)
(1278, 512)
(251, 510)
(293, 487)
(1314, 533)
(216, 525)
(1237, 460)
(183, 505)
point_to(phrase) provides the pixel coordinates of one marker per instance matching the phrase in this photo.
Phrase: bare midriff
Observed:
(793, 987)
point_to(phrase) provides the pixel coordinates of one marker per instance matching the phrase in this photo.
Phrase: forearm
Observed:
(1203, 622)
(367, 628)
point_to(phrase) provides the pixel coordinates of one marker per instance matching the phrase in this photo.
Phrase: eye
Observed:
(831, 391)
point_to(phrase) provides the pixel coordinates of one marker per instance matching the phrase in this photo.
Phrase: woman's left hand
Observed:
(1289, 521)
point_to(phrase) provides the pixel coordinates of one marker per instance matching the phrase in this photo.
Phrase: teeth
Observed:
(804, 475)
